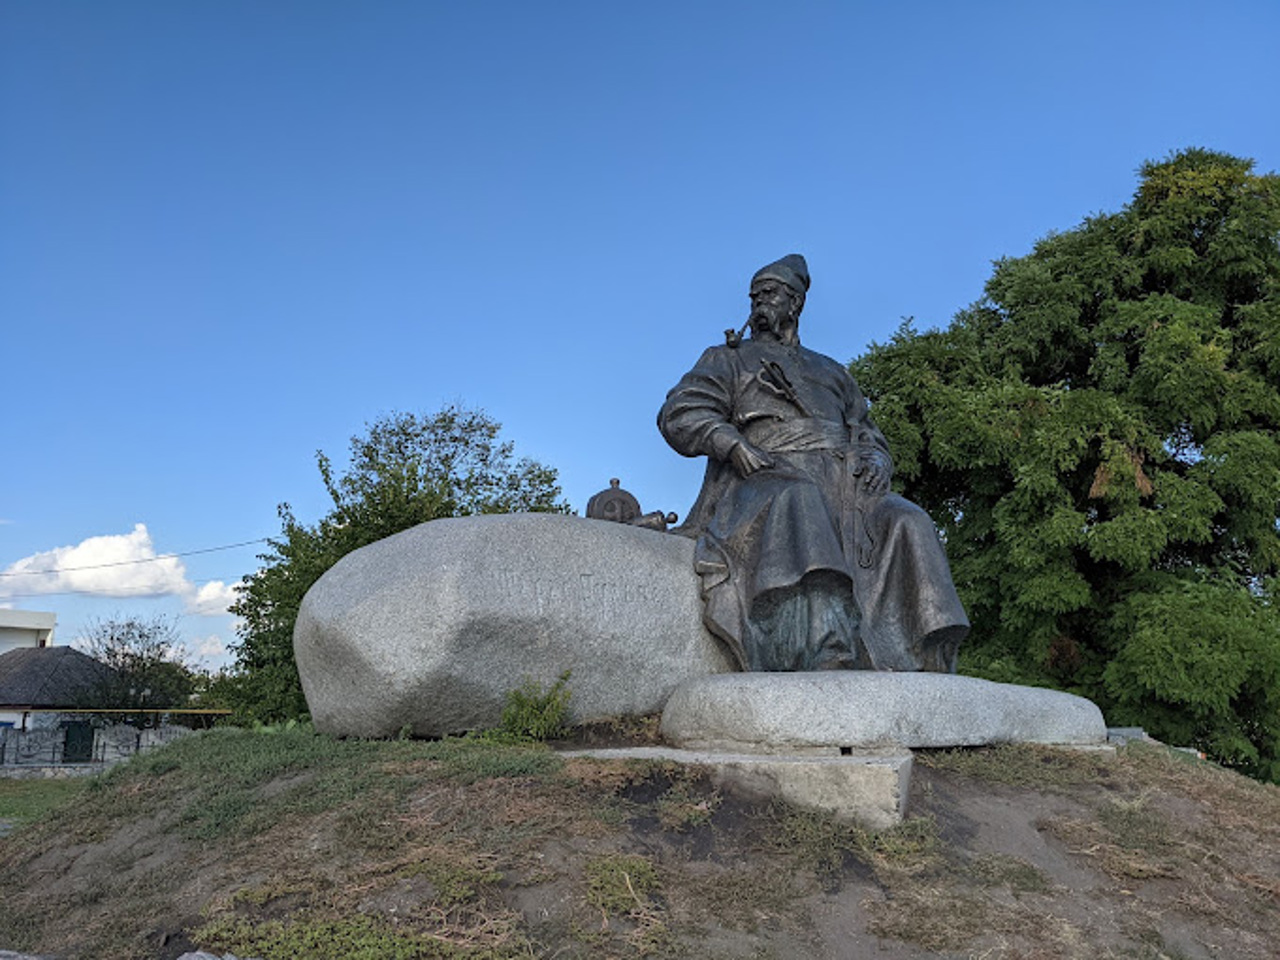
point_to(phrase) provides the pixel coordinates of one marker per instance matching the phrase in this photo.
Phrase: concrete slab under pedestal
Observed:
(868, 788)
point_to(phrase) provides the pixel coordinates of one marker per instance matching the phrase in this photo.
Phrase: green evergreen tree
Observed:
(404, 471)
(1099, 440)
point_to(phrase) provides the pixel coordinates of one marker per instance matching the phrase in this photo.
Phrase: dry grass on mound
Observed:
(293, 845)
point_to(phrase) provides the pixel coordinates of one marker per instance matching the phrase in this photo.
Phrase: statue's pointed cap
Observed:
(791, 270)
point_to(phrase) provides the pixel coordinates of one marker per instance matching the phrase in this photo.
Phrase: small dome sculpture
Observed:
(619, 506)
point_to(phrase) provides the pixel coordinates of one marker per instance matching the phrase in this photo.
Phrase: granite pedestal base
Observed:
(840, 742)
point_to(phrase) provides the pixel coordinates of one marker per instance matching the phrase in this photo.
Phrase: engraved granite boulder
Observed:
(429, 629)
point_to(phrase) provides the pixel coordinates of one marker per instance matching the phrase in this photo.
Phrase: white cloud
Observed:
(211, 599)
(105, 566)
(212, 647)
(114, 565)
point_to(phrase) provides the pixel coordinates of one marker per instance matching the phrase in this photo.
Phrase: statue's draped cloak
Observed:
(809, 514)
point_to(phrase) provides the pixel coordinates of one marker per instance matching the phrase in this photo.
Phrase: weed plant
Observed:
(532, 713)
(625, 886)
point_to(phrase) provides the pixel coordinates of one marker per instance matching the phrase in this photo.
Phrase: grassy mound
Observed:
(294, 845)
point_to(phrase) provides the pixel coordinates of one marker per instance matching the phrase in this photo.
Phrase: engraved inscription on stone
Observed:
(587, 593)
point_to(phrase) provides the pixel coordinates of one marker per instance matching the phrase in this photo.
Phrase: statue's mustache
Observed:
(764, 317)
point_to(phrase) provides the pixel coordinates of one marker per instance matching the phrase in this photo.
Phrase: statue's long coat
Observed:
(810, 511)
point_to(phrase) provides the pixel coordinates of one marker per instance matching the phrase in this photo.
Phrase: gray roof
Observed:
(47, 676)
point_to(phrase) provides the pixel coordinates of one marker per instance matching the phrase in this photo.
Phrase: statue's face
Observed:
(773, 311)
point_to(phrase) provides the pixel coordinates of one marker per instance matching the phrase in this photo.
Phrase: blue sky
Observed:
(232, 233)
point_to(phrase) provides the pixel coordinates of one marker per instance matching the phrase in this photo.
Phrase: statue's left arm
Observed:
(875, 465)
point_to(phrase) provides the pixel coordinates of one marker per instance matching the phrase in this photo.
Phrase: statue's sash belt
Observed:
(802, 433)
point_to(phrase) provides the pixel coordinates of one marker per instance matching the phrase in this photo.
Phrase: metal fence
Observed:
(94, 737)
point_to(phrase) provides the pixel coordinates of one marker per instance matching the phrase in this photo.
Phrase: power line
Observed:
(125, 563)
(6, 597)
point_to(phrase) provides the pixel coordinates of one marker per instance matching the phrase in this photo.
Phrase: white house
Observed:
(23, 630)
(26, 628)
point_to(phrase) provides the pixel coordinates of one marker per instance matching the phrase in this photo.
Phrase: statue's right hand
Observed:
(747, 459)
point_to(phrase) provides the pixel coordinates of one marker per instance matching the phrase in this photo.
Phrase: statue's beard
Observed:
(768, 325)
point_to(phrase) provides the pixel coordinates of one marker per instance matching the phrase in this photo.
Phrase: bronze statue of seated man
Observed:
(807, 561)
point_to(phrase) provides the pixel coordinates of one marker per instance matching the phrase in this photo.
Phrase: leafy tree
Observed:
(149, 669)
(1099, 439)
(405, 470)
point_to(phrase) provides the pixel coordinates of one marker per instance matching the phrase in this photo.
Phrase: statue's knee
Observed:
(894, 508)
